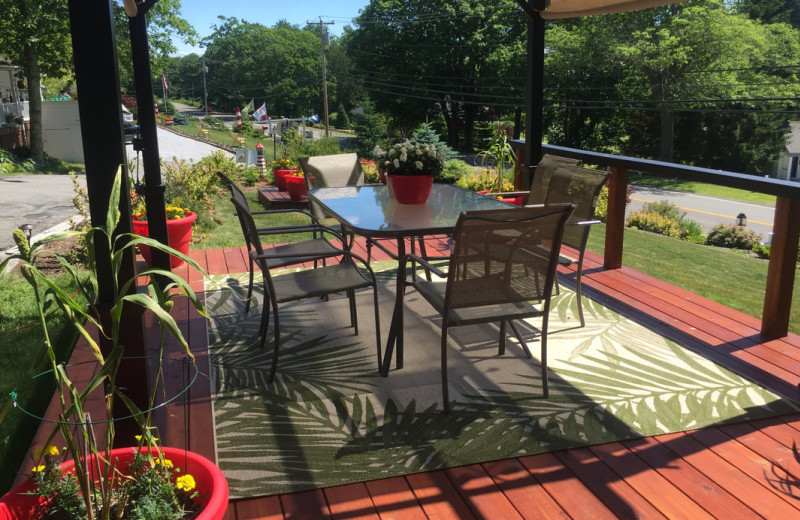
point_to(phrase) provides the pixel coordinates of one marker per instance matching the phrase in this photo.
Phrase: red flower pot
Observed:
(517, 201)
(210, 483)
(179, 232)
(280, 178)
(296, 186)
(411, 189)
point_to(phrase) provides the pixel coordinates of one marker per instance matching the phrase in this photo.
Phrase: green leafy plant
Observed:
(499, 155)
(734, 237)
(654, 222)
(453, 170)
(370, 169)
(98, 495)
(484, 181)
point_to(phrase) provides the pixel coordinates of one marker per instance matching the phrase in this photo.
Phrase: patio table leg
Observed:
(396, 328)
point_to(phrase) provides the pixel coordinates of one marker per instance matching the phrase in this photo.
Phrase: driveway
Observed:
(45, 201)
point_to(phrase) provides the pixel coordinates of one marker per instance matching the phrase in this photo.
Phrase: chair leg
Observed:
(502, 340)
(578, 293)
(545, 389)
(250, 288)
(351, 295)
(275, 347)
(518, 334)
(424, 254)
(445, 390)
(369, 250)
(377, 325)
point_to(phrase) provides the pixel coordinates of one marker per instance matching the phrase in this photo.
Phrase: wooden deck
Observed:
(745, 470)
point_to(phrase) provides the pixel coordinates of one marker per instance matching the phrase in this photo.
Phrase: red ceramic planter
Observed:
(411, 189)
(179, 232)
(296, 186)
(210, 483)
(280, 178)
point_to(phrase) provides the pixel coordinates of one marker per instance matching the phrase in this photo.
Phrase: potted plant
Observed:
(281, 168)
(410, 167)
(296, 185)
(13, 120)
(99, 482)
(179, 228)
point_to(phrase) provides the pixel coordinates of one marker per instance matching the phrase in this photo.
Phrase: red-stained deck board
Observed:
(480, 492)
(521, 489)
(305, 504)
(236, 263)
(216, 262)
(570, 493)
(666, 497)
(615, 493)
(438, 497)
(755, 495)
(698, 487)
(350, 502)
(265, 508)
(393, 498)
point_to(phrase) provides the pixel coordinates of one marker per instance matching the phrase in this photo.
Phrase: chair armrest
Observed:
(275, 211)
(300, 228)
(416, 258)
(585, 223)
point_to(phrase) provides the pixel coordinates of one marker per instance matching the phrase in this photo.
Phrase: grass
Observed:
(12, 164)
(224, 137)
(726, 276)
(23, 356)
(711, 190)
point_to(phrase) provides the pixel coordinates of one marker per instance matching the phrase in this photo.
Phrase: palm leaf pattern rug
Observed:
(330, 419)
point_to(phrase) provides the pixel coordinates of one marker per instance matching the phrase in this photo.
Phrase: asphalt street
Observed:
(45, 201)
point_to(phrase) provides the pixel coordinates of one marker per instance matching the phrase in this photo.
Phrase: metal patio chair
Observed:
(344, 276)
(502, 268)
(317, 249)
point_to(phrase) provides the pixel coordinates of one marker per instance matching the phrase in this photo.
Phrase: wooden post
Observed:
(781, 270)
(615, 218)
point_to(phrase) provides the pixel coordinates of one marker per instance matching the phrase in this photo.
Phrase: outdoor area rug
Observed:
(330, 419)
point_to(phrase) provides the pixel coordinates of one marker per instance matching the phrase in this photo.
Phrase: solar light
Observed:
(741, 220)
(28, 230)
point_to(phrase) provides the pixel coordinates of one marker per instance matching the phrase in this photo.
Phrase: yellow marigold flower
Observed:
(167, 463)
(39, 468)
(185, 483)
(46, 450)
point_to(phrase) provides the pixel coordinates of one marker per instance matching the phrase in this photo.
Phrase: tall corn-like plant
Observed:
(158, 300)
(500, 154)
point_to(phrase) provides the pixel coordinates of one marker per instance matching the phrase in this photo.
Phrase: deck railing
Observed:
(785, 233)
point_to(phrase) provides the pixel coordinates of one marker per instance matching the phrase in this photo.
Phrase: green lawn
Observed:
(23, 355)
(224, 137)
(726, 276)
(712, 190)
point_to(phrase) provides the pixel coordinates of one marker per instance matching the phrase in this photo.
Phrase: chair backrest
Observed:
(505, 256)
(544, 172)
(579, 186)
(331, 171)
(249, 228)
(238, 195)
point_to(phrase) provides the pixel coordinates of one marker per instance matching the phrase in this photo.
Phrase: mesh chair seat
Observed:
(319, 282)
(304, 251)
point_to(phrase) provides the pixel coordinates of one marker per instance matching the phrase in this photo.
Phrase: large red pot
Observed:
(280, 178)
(411, 189)
(179, 232)
(210, 483)
(296, 186)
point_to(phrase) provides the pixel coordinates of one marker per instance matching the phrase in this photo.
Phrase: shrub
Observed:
(214, 123)
(342, 119)
(249, 176)
(486, 180)
(453, 170)
(601, 210)
(370, 169)
(665, 209)
(734, 237)
(180, 119)
(654, 223)
(764, 251)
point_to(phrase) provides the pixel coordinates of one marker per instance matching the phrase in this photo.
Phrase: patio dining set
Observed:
(503, 259)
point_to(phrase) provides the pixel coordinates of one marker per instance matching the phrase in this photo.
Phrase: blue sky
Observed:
(202, 14)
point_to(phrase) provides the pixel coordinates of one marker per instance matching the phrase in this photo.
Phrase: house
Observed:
(787, 168)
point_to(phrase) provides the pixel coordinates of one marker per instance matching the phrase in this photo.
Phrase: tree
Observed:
(421, 58)
(771, 11)
(699, 78)
(163, 24)
(34, 34)
(279, 66)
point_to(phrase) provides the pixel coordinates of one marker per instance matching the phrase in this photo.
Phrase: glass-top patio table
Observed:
(372, 212)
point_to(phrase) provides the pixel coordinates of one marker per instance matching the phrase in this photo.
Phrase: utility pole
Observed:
(324, 38)
(205, 90)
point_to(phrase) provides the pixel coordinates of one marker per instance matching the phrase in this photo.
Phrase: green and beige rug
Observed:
(330, 419)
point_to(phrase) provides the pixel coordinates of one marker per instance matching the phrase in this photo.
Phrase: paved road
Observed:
(45, 201)
(708, 211)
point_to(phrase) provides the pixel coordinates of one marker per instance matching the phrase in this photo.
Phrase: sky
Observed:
(202, 14)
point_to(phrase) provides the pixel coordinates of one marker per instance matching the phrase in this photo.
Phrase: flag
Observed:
(164, 81)
(261, 113)
(248, 108)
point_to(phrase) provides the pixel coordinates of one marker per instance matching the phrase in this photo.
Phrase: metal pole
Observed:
(324, 82)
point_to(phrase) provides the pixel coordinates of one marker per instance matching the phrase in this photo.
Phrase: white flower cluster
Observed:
(409, 158)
